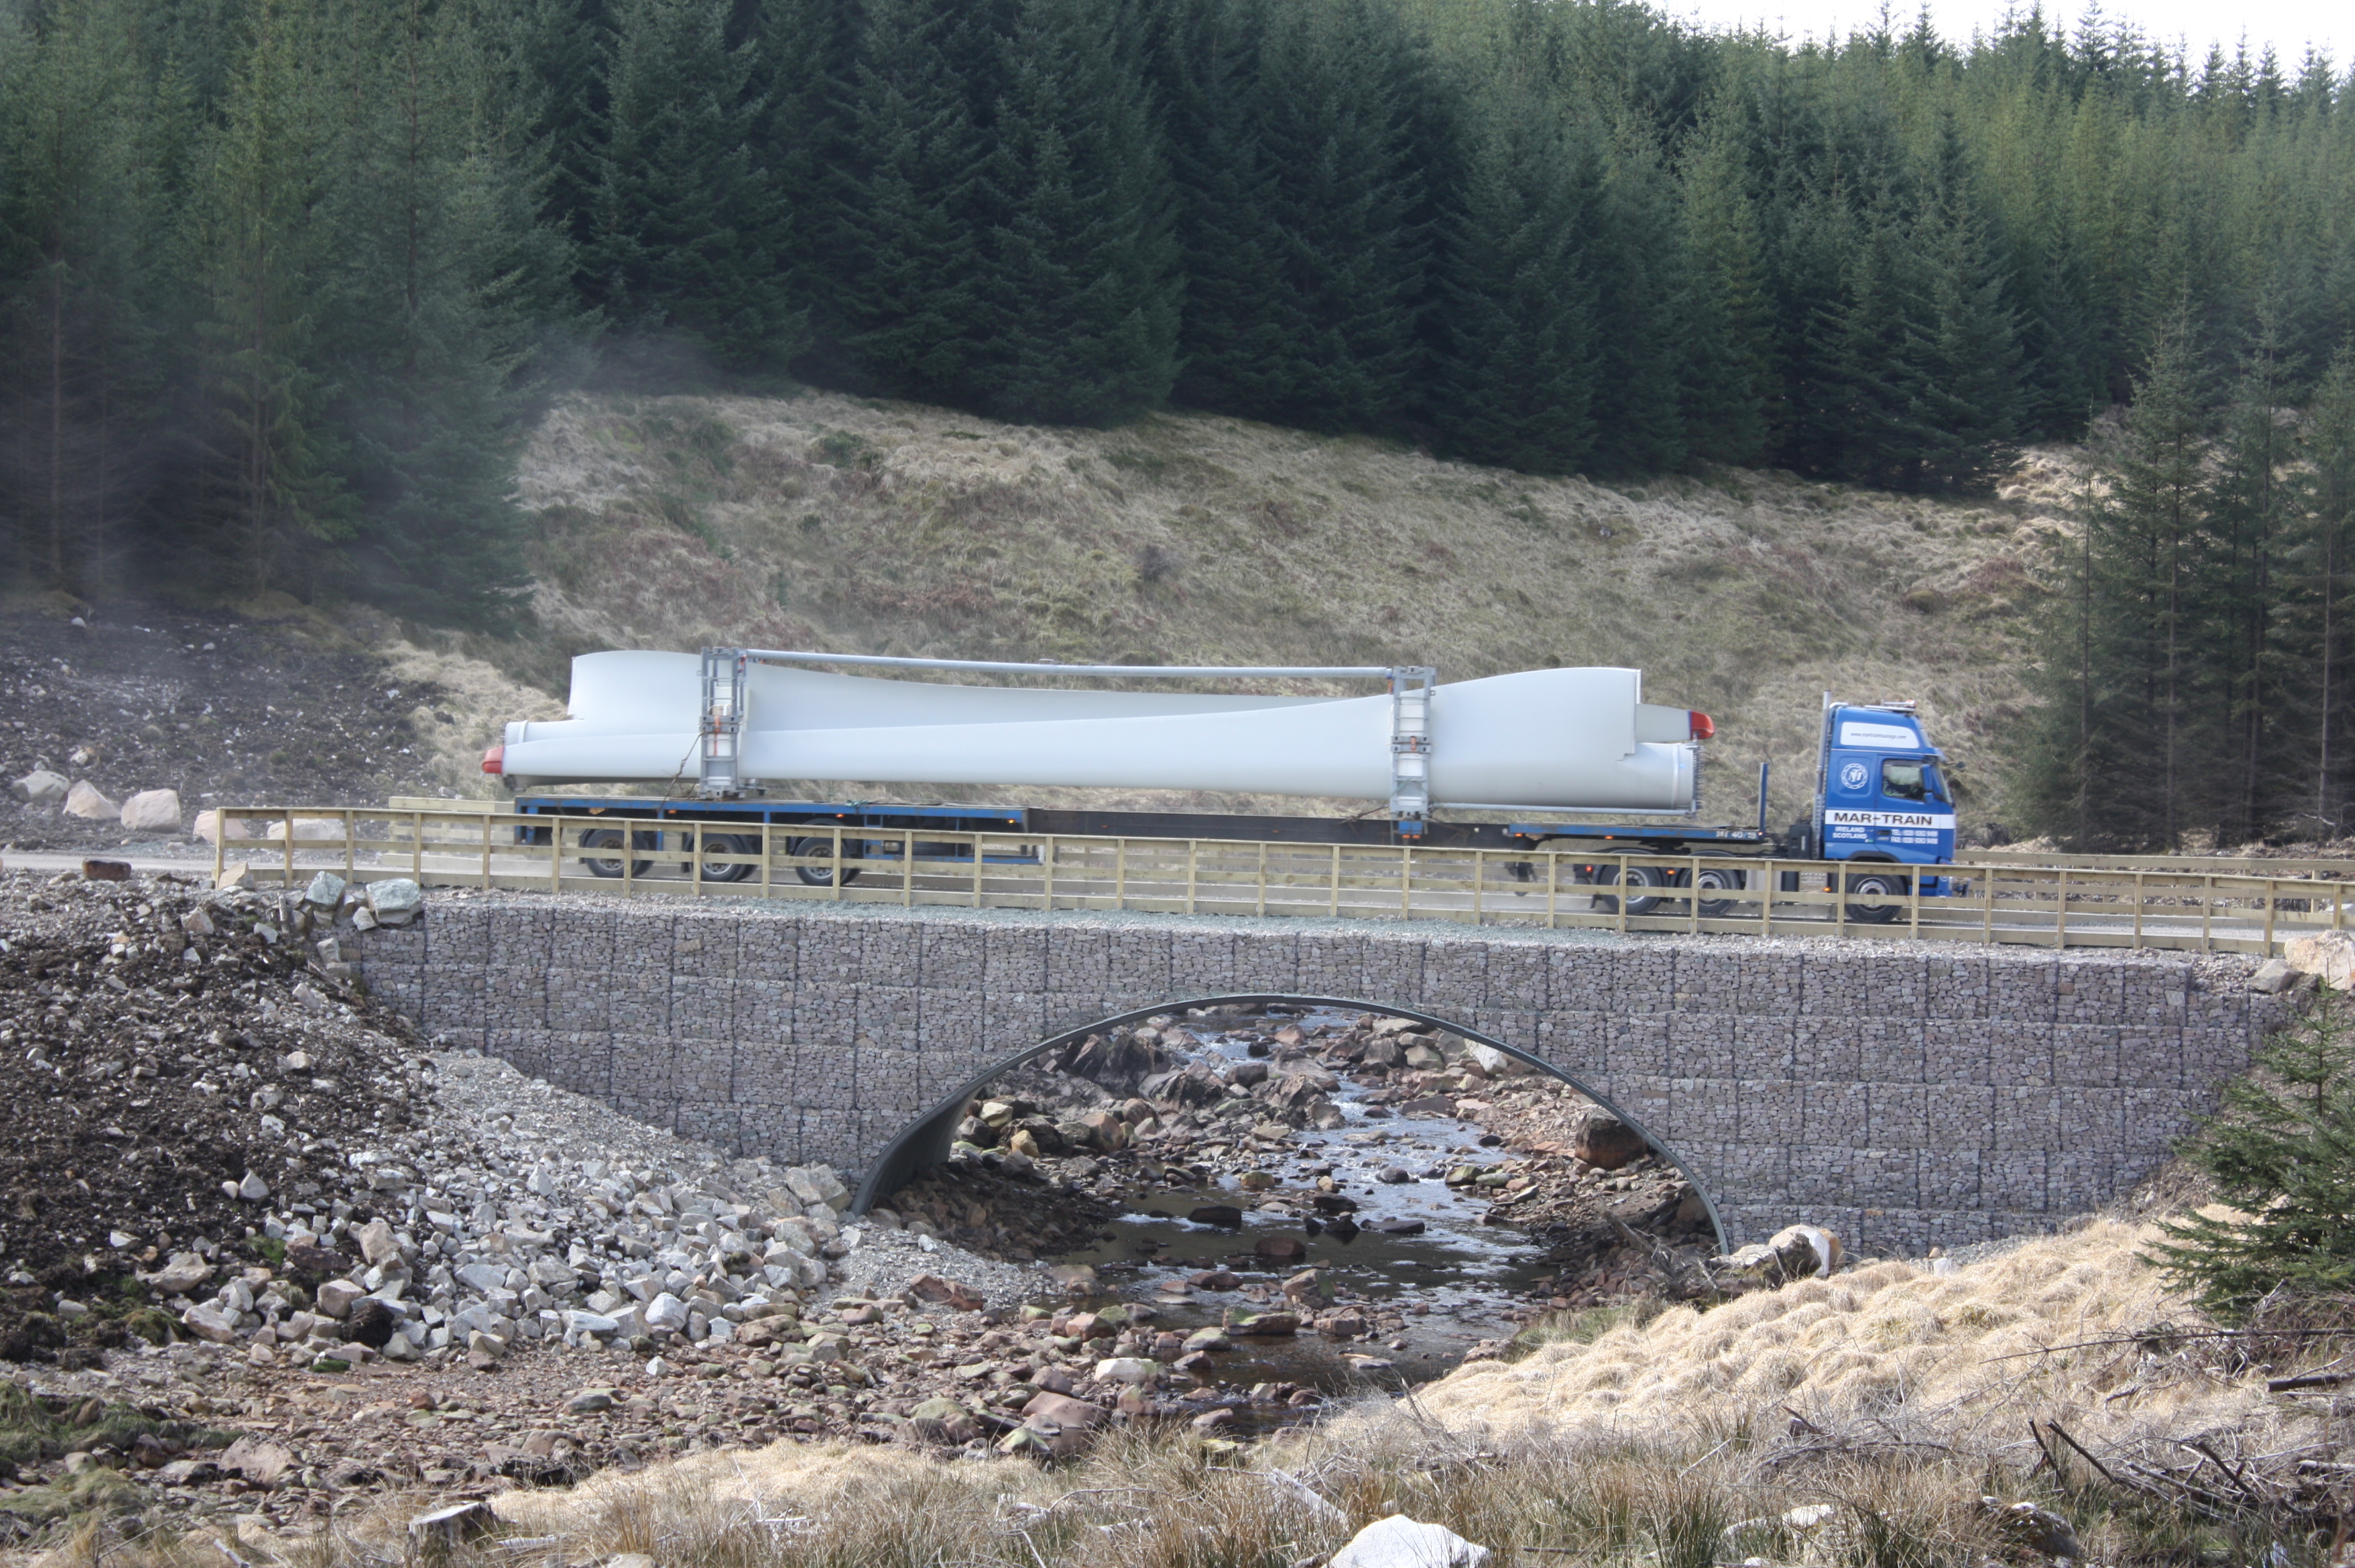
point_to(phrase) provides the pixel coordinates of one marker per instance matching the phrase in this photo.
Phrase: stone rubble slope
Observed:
(179, 1068)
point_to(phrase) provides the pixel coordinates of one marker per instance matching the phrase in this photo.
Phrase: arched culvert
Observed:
(924, 1143)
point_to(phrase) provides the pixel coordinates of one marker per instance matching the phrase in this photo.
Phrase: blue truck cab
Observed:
(1880, 790)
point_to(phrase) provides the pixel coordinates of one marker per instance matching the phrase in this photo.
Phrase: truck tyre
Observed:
(1719, 876)
(729, 844)
(610, 838)
(823, 875)
(1637, 877)
(1875, 885)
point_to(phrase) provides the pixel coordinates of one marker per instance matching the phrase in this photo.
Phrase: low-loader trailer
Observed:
(1566, 757)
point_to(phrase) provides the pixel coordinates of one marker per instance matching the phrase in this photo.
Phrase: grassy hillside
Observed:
(827, 521)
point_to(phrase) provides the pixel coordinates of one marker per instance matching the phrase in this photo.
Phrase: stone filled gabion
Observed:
(1904, 1095)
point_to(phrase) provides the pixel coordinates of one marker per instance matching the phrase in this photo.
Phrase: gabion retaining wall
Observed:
(1920, 1098)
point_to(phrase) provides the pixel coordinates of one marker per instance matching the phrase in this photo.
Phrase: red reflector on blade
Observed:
(495, 761)
(1702, 728)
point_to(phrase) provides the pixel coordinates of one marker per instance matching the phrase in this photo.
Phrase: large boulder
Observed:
(1605, 1142)
(1795, 1252)
(152, 810)
(86, 800)
(395, 900)
(1399, 1541)
(307, 830)
(2329, 956)
(41, 787)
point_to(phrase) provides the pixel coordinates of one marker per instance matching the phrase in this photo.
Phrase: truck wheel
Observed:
(1719, 876)
(610, 838)
(729, 844)
(823, 875)
(1637, 877)
(1878, 885)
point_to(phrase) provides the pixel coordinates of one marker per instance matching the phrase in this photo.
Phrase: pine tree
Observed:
(1081, 299)
(1516, 380)
(688, 227)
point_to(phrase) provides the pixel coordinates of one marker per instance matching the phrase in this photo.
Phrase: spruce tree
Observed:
(77, 216)
(433, 335)
(1732, 383)
(914, 260)
(2281, 1156)
(2251, 499)
(1080, 305)
(1515, 385)
(1962, 346)
(263, 251)
(2328, 444)
(2129, 676)
(1645, 308)
(684, 259)
(1207, 62)
(1336, 327)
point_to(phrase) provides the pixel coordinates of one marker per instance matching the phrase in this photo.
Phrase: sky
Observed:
(2287, 25)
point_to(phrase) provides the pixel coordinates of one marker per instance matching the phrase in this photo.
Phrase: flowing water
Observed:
(1437, 1293)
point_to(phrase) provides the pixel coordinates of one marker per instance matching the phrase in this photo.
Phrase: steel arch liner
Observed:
(924, 1142)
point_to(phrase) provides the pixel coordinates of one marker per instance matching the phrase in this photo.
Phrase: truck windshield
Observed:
(1912, 779)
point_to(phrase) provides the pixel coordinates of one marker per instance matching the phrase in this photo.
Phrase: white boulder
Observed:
(1495, 1062)
(42, 788)
(152, 810)
(2329, 956)
(1399, 1541)
(85, 800)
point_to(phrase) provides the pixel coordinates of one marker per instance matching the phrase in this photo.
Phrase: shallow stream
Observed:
(1451, 1284)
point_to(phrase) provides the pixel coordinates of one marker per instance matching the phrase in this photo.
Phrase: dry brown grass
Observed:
(1165, 1501)
(834, 521)
(1889, 1405)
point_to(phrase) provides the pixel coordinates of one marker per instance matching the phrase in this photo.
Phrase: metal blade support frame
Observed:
(723, 723)
(1411, 687)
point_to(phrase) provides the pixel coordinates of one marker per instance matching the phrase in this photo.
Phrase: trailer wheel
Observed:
(823, 875)
(729, 844)
(610, 838)
(1719, 877)
(1637, 877)
(1877, 885)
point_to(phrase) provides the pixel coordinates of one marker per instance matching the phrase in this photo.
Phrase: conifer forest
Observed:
(288, 281)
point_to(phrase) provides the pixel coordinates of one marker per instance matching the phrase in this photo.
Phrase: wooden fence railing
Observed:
(2057, 906)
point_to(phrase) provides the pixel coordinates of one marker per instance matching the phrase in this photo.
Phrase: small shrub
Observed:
(845, 449)
(2281, 1152)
